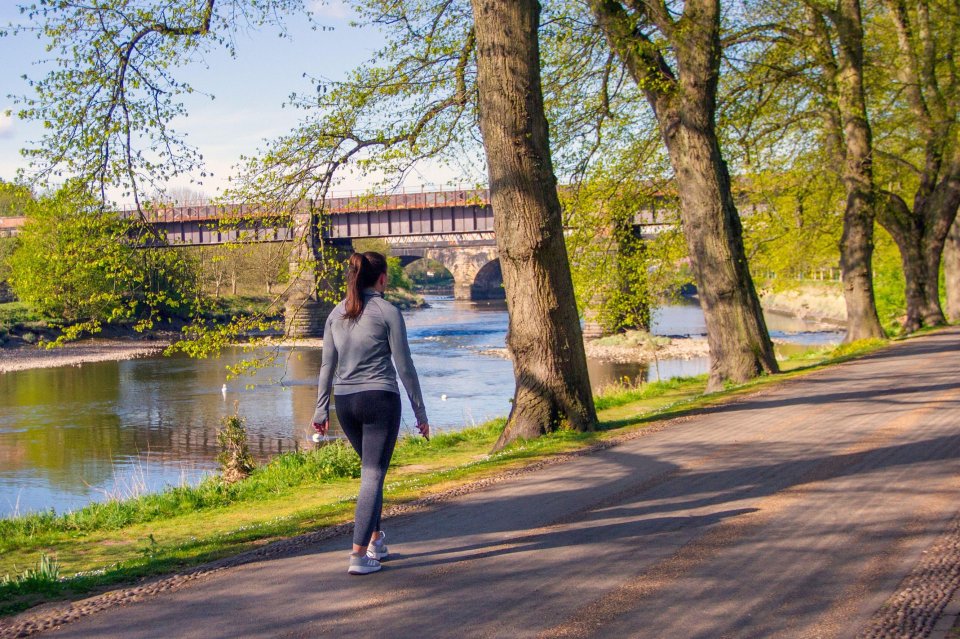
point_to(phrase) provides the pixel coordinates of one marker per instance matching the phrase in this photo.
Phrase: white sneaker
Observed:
(362, 565)
(378, 550)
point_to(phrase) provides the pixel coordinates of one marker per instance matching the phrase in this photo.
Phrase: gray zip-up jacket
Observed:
(356, 355)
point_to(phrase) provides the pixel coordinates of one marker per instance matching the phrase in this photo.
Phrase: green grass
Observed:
(403, 298)
(14, 314)
(634, 339)
(283, 472)
(623, 396)
(111, 543)
(230, 306)
(44, 579)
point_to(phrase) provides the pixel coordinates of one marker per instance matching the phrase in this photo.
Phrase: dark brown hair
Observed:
(363, 270)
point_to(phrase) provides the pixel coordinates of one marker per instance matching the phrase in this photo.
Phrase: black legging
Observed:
(371, 421)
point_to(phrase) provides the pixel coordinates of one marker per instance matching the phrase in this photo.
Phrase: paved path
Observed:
(801, 511)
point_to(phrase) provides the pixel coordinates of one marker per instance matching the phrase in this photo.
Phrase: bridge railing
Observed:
(199, 213)
(406, 199)
(349, 202)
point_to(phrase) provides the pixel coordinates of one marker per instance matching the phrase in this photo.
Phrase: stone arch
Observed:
(406, 260)
(488, 282)
(463, 262)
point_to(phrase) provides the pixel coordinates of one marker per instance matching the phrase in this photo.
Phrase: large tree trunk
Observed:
(920, 235)
(685, 107)
(544, 337)
(914, 275)
(856, 259)
(856, 242)
(951, 271)
(740, 346)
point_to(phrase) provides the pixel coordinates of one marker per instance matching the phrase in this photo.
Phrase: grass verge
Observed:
(47, 557)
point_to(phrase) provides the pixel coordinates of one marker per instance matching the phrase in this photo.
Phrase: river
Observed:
(76, 434)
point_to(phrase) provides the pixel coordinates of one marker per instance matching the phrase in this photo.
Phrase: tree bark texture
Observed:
(951, 271)
(856, 242)
(685, 105)
(544, 337)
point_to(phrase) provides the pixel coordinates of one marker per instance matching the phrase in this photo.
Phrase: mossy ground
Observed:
(109, 544)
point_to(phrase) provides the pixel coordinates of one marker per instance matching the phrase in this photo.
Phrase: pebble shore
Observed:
(75, 354)
(678, 348)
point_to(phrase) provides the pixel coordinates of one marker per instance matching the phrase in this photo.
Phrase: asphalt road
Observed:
(827, 506)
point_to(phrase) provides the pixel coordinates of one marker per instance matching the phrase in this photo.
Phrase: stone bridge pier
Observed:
(316, 273)
(475, 269)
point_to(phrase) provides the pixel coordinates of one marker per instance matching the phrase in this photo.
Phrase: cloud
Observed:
(6, 123)
(331, 9)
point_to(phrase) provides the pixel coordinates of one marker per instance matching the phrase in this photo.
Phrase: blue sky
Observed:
(249, 88)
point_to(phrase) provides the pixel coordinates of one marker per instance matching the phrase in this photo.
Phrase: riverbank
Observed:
(821, 302)
(18, 353)
(25, 357)
(109, 543)
(634, 347)
(816, 301)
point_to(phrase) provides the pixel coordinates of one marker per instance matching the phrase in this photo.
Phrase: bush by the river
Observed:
(235, 460)
(79, 265)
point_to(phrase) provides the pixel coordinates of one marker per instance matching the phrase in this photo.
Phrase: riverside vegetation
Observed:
(47, 556)
(65, 293)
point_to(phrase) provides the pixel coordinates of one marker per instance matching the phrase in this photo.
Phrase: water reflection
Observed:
(75, 434)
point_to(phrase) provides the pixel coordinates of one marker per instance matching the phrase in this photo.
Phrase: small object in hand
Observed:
(317, 437)
(321, 427)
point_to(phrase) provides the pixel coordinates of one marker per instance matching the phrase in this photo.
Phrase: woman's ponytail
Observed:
(363, 270)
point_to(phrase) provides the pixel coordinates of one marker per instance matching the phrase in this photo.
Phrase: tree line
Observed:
(839, 114)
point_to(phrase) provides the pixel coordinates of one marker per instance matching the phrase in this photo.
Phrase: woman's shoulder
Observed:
(380, 302)
(387, 309)
(337, 312)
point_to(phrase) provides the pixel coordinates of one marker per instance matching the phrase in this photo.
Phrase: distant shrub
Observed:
(75, 264)
(635, 339)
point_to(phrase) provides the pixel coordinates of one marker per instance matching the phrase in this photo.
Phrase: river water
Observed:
(76, 434)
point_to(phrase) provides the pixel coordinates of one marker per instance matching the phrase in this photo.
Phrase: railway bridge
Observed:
(453, 227)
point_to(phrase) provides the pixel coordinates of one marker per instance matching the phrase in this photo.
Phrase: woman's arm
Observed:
(400, 348)
(327, 366)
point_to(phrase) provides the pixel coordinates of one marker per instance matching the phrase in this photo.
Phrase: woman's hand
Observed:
(322, 427)
(424, 430)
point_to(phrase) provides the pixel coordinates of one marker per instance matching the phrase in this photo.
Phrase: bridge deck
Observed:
(425, 213)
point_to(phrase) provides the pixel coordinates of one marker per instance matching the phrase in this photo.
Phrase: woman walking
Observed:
(359, 338)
